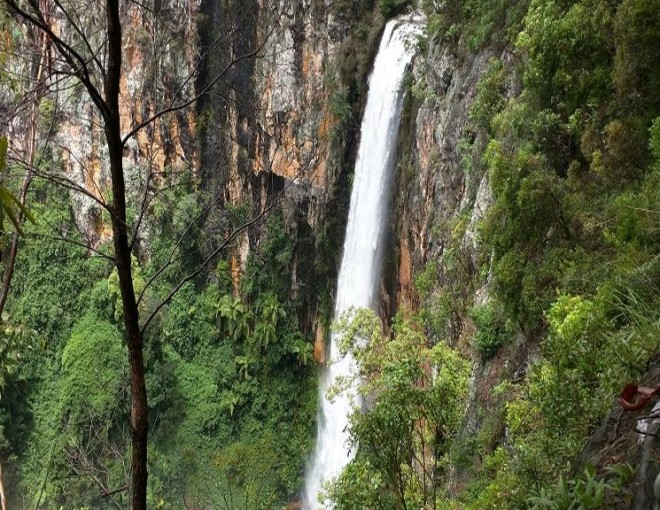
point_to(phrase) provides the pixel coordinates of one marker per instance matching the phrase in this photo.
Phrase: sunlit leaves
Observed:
(94, 367)
(15, 341)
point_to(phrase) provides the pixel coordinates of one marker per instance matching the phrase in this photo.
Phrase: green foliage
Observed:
(490, 99)
(476, 23)
(564, 385)
(268, 268)
(490, 335)
(239, 369)
(175, 216)
(196, 387)
(403, 439)
(592, 348)
(114, 291)
(570, 244)
(584, 493)
(570, 52)
(636, 63)
(245, 475)
(340, 106)
(94, 368)
(445, 286)
(352, 7)
(222, 368)
(53, 277)
(80, 424)
(15, 340)
(190, 323)
(16, 343)
(10, 206)
(426, 280)
(392, 7)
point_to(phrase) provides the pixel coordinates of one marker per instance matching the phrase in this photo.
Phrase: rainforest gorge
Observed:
(176, 179)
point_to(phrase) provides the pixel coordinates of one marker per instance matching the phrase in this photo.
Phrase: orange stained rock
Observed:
(235, 273)
(319, 344)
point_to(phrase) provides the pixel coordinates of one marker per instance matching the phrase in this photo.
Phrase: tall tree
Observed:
(96, 64)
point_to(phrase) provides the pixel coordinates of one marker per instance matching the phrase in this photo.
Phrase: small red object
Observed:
(633, 397)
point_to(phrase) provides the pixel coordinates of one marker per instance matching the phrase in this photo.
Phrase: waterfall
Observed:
(362, 258)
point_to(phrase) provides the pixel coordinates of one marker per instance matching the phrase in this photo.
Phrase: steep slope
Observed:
(528, 142)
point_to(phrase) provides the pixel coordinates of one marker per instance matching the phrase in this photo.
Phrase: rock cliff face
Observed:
(433, 188)
(270, 120)
(267, 124)
(282, 124)
(261, 71)
(266, 97)
(160, 53)
(251, 86)
(442, 193)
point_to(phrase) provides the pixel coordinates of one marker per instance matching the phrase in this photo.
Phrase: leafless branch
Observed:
(77, 27)
(40, 76)
(70, 240)
(176, 107)
(144, 205)
(202, 266)
(67, 183)
(170, 258)
(75, 61)
(114, 491)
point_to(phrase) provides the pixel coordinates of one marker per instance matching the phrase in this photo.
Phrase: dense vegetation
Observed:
(566, 125)
(232, 393)
(574, 168)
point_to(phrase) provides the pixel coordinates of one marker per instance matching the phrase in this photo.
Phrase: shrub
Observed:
(490, 335)
(392, 7)
(585, 492)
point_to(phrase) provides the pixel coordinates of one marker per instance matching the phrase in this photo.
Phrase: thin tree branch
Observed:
(67, 183)
(193, 274)
(75, 61)
(174, 249)
(144, 205)
(77, 27)
(112, 492)
(174, 108)
(31, 149)
(74, 242)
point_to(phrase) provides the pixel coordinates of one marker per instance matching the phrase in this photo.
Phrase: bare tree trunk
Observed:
(139, 409)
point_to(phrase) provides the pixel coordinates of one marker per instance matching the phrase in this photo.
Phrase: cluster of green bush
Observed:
(570, 249)
(571, 239)
(415, 396)
(231, 386)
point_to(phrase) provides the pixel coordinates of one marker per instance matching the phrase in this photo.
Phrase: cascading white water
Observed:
(362, 258)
